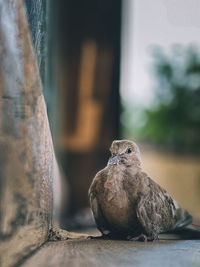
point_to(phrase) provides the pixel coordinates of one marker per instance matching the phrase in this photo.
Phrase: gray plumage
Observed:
(126, 203)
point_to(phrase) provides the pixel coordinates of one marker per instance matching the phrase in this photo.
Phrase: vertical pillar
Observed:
(27, 161)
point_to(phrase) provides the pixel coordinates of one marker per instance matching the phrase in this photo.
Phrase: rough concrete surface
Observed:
(106, 253)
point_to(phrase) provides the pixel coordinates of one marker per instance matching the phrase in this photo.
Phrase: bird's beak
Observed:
(114, 160)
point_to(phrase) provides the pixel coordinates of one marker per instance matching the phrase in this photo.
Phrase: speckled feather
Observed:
(126, 202)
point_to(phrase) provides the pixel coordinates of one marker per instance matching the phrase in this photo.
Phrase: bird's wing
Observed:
(100, 220)
(157, 211)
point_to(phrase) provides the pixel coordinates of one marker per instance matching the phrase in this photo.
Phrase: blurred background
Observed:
(160, 93)
(121, 69)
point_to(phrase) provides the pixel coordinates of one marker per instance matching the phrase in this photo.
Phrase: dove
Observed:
(127, 203)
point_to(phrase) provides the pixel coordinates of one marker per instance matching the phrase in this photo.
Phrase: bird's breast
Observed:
(115, 203)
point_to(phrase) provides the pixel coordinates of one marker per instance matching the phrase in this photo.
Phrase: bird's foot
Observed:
(142, 238)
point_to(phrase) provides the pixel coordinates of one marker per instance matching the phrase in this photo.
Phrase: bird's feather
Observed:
(157, 211)
(125, 200)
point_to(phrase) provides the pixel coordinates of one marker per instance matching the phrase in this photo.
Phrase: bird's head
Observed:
(124, 152)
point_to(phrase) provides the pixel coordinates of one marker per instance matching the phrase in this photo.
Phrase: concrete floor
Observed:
(106, 253)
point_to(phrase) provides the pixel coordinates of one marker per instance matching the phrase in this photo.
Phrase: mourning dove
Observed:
(127, 203)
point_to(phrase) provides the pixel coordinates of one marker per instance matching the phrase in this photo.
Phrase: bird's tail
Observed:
(185, 219)
(190, 231)
(184, 228)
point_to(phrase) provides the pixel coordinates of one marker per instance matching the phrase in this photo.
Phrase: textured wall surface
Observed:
(27, 161)
(37, 17)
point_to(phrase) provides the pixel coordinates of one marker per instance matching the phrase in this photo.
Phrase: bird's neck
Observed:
(116, 169)
(133, 169)
(120, 170)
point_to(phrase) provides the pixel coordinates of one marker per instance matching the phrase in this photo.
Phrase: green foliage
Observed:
(174, 118)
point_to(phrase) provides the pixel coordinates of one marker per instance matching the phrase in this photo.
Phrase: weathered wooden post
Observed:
(27, 161)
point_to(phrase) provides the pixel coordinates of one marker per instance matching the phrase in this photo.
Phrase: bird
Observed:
(127, 204)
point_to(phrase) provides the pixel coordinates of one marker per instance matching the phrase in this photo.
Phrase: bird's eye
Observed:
(129, 150)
